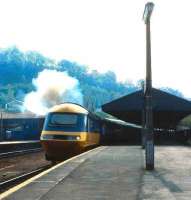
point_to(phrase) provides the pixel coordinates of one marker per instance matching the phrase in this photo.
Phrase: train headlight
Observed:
(78, 138)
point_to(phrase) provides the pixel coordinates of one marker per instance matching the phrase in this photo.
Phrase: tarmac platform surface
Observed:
(112, 172)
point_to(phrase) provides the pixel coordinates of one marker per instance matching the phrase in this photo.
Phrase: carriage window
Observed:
(18, 128)
(93, 126)
(63, 119)
(90, 125)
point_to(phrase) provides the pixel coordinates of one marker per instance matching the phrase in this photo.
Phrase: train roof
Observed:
(121, 122)
(69, 108)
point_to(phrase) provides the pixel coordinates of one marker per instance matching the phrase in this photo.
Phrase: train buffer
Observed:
(112, 172)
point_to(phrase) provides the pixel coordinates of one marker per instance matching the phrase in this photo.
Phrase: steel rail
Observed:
(14, 181)
(19, 152)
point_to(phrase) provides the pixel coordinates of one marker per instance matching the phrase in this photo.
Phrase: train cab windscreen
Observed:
(69, 122)
(58, 119)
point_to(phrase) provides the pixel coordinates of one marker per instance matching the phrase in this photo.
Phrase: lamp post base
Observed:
(143, 134)
(149, 154)
(150, 167)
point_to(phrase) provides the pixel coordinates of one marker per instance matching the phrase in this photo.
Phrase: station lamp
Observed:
(148, 11)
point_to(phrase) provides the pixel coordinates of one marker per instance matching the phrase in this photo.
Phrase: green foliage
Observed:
(186, 122)
(18, 69)
(97, 88)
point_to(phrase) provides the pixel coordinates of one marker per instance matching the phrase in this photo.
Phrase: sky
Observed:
(105, 35)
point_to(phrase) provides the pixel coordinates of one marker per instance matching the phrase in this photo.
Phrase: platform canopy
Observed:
(168, 109)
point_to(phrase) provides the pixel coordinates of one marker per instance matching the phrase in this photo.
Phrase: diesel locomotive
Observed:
(69, 129)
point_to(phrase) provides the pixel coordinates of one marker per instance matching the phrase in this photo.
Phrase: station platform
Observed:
(112, 172)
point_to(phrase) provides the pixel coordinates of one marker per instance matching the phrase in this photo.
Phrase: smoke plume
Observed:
(52, 87)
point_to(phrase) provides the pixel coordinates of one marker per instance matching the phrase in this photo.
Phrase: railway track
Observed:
(16, 180)
(11, 182)
(19, 152)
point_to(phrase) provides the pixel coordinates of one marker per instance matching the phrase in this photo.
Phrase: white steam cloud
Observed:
(52, 87)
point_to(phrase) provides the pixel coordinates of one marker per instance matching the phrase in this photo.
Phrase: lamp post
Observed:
(149, 143)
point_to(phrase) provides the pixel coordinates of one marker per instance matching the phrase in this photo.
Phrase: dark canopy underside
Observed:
(168, 109)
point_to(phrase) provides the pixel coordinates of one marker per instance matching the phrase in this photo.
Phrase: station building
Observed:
(168, 111)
